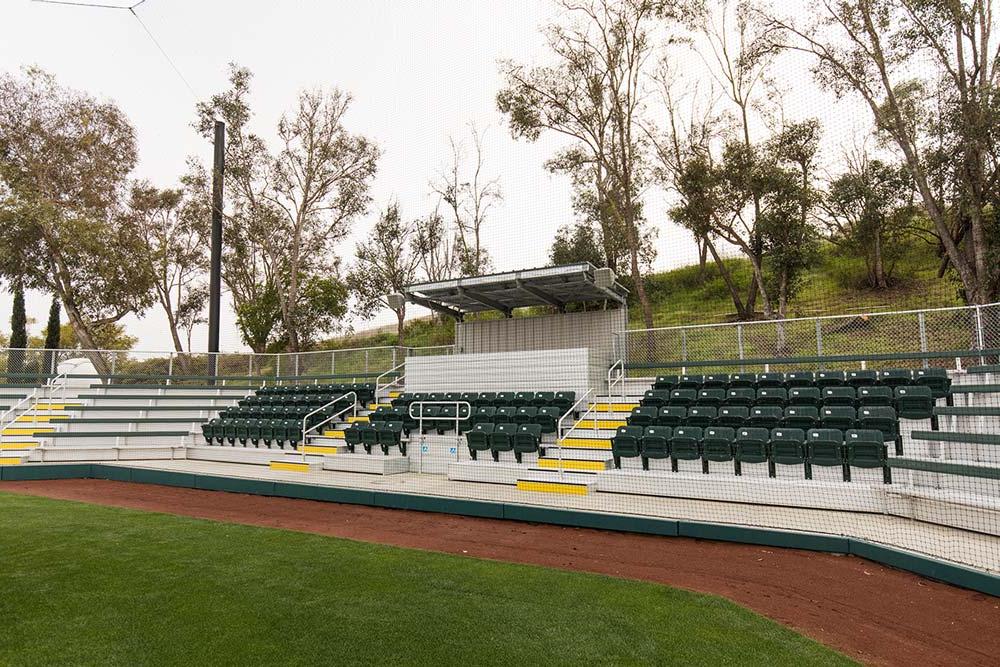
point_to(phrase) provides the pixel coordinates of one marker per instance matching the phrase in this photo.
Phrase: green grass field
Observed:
(82, 584)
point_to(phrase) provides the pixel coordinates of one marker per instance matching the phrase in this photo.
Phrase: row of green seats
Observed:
(275, 412)
(385, 435)
(916, 398)
(860, 448)
(495, 438)
(309, 400)
(364, 390)
(256, 431)
(935, 378)
(557, 399)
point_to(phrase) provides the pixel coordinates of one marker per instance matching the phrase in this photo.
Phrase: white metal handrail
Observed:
(305, 419)
(559, 425)
(616, 376)
(10, 415)
(395, 380)
(458, 418)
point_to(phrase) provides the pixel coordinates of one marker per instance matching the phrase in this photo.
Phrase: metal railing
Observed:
(616, 376)
(459, 418)
(306, 429)
(560, 435)
(396, 380)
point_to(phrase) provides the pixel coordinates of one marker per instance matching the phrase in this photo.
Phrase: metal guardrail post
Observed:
(922, 325)
(296, 364)
(819, 338)
(170, 367)
(980, 339)
(684, 345)
(739, 346)
(277, 366)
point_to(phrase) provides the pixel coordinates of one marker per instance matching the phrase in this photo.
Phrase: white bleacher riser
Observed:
(133, 413)
(432, 453)
(224, 392)
(108, 441)
(238, 454)
(106, 453)
(947, 512)
(508, 473)
(376, 463)
(117, 401)
(193, 426)
(984, 488)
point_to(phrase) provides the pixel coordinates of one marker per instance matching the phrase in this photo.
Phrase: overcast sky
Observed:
(419, 71)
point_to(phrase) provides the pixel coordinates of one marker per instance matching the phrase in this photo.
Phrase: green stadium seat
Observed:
(548, 418)
(453, 396)
(504, 398)
(860, 378)
(525, 415)
(390, 434)
(765, 416)
(701, 416)
(800, 379)
(805, 396)
(690, 382)
(430, 414)
(378, 415)
(655, 444)
(643, 416)
(714, 397)
(895, 377)
(478, 438)
(741, 396)
(671, 415)
(716, 445)
(655, 398)
(527, 440)
(254, 429)
(935, 378)
(884, 420)
(750, 446)
(483, 415)
(229, 430)
(842, 396)
(450, 419)
(771, 380)
(874, 395)
(504, 415)
(470, 397)
(685, 444)
(865, 449)
(293, 432)
(743, 381)
(369, 437)
(267, 431)
(523, 398)
(543, 398)
(825, 447)
(683, 397)
(564, 400)
(502, 439)
(830, 379)
(487, 398)
(208, 429)
(787, 448)
(916, 402)
(667, 382)
(800, 416)
(627, 442)
(716, 381)
(838, 417)
(772, 396)
(732, 416)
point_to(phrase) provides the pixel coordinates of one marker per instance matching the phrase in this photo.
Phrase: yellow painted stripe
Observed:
(614, 407)
(551, 487)
(586, 443)
(17, 445)
(26, 431)
(37, 419)
(355, 420)
(319, 449)
(9, 461)
(601, 423)
(290, 467)
(55, 406)
(376, 406)
(395, 394)
(333, 434)
(573, 464)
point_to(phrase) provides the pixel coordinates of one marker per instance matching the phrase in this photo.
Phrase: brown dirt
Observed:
(877, 615)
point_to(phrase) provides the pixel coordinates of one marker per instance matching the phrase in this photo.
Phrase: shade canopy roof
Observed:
(555, 286)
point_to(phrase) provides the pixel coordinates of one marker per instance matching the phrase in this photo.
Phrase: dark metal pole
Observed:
(215, 278)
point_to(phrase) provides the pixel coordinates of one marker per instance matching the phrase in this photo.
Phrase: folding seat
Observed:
(435, 396)
(502, 439)
(683, 397)
(369, 437)
(685, 444)
(716, 381)
(293, 432)
(525, 415)
(882, 419)
(504, 398)
(548, 418)
(916, 402)
(865, 449)
(935, 378)
(741, 396)
(543, 398)
(671, 415)
(486, 398)
(734, 416)
(701, 416)
(453, 396)
(523, 398)
(690, 381)
(527, 440)
(667, 382)
(352, 434)
(208, 429)
(229, 430)
(483, 415)
(825, 447)
(504, 415)
(627, 442)
(750, 446)
(875, 395)
(464, 418)
(655, 444)
(895, 377)
(765, 416)
(860, 378)
(716, 445)
(655, 398)
(844, 396)
(643, 416)
(838, 417)
(367, 392)
(411, 420)
(715, 397)
(800, 416)
(787, 448)
(743, 381)
(771, 380)
(564, 400)
(447, 418)
(254, 428)
(478, 438)
(430, 414)
(380, 414)
(800, 379)
(470, 397)
(390, 434)
(772, 396)
(805, 396)
(830, 379)
(267, 431)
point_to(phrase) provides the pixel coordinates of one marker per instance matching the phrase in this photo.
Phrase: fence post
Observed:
(739, 345)
(170, 367)
(277, 368)
(296, 364)
(684, 345)
(819, 339)
(923, 337)
(980, 339)
(366, 360)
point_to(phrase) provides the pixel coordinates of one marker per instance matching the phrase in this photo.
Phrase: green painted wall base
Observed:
(928, 567)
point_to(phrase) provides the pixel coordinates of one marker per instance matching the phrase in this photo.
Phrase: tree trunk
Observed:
(400, 315)
(86, 337)
(728, 279)
(880, 279)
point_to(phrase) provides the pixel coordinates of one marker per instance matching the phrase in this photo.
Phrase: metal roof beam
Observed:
(486, 301)
(435, 306)
(541, 294)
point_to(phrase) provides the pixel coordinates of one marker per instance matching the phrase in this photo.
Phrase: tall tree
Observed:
(592, 94)
(867, 48)
(384, 264)
(437, 249)
(64, 160)
(53, 335)
(18, 332)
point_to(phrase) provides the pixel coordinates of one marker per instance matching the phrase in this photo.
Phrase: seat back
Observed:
(525, 414)
(915, 402)
(685, 442)
(804, 396)
(800, 379)
(627, 438)
(895, 377)
(504, 398)
(478, 437)
(772, 396)
(787, 445)
(874, 395)
(765, 416)
(772, 380)
(830, 378)
(751, 444)
(656, 441)
(527, 438)
(839, 396)
(643, 416)
(732, 416)
(711, 396)
(744, 396)
(565, 399)
(543, 398)
(701, 416)
(484, 414)
(524, 398)
(717, 443)
(865, 448)
(837, 417)
(504, 414)
(716, 381)
(503, 437)
(879, 418)
(935, 378)
(860, 378)
(743, 380)
(667, 382)
(683, 396)
(825, 446)
(690, 381)
(800, 416)
(671, 415)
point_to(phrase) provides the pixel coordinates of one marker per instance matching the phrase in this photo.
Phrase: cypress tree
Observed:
(18, 333)
(52, 330)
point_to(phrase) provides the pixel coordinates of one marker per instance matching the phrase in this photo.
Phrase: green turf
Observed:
(82, 584)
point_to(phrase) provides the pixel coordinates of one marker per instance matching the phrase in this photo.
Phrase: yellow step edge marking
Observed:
(573, 464)
(38, 418)
(395, 394)
(552, 487)
(26, 431)
(55, 406)
(376, 406)
(9, 461)
(333, 434)
(355, 420)
(614, 407)
(601, 423)
(17, 445)
(319, 449)
(290, 467)
(586, 443)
